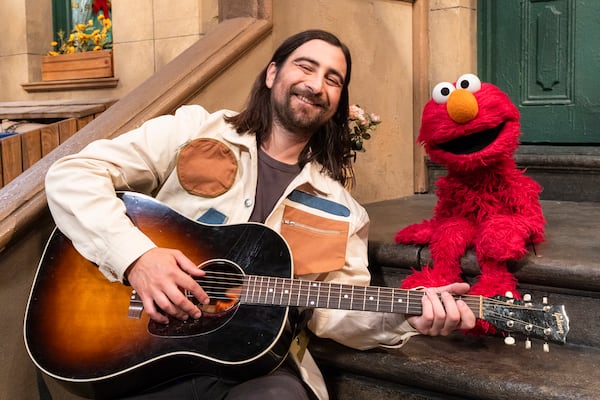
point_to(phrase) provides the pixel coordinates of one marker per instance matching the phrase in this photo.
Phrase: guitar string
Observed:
(383, 295)
(308, 286)
(224, 281)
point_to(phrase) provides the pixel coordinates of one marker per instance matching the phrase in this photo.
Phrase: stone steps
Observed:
(459, 367)
(565, 268)
(568, 173)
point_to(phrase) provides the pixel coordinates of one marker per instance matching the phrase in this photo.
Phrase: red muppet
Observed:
(484, 202)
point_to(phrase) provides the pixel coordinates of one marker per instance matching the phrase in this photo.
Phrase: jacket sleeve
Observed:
(81, 188)
(359, 329)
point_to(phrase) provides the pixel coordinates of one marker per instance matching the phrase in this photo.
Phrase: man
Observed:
(282, 161)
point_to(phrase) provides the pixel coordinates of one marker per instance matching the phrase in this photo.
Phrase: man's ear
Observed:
(271, 73)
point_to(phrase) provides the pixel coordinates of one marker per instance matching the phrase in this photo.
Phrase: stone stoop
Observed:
(565, 269)
(570, 173)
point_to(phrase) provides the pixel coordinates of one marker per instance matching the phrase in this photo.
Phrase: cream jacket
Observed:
(160, 158)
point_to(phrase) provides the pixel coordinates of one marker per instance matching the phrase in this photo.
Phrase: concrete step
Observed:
(567, 173)
(460, 367)
(565, 268)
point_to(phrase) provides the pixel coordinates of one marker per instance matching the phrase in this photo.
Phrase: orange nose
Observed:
(462, 106)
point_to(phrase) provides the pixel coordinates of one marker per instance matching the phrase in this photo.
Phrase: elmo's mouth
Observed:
(473, 142)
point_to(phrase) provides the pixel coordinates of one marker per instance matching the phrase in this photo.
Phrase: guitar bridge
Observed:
(135, 306)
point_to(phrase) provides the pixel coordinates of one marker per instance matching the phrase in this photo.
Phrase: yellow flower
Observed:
(52, 53)
(84, 37)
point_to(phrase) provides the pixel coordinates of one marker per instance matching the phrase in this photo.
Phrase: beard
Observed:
(303, 119)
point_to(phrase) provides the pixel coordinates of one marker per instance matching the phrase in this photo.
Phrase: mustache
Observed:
(310, 96)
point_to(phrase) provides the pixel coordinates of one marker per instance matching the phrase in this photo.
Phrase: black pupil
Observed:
(445, 91)
(464, 84)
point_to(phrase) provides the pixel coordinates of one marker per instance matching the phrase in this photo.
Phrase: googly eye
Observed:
(441, 91)
(468, 82)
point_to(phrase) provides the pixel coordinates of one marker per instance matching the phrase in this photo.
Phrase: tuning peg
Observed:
(527, 344)
(526, 297)
(546, 347)
(544, 300)
(509, 340)
(509, 294)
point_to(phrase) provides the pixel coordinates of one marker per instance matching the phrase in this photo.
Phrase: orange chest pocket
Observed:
(318, 244)
(206, 167)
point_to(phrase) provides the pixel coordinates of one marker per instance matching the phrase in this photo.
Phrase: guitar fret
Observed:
(253, 288)
(364, 299)
(299, 292)
(265, 289)
(290, 291)
(318, 286)
(260, 288)
(282, 290)
(318, 293)
(307, 294)
(273, 290)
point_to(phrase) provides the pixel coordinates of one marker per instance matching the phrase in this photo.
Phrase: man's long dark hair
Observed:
(330, 146)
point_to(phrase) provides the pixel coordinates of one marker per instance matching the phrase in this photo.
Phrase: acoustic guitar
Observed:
(92, 336)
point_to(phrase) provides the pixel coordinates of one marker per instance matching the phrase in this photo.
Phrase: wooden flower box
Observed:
(86, 65)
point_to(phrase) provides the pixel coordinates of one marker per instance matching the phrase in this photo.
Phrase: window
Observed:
(68, 13)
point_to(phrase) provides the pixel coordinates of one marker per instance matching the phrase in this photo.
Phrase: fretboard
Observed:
(314, 294)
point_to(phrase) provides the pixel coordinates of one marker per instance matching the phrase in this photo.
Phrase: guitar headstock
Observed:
(542, 321)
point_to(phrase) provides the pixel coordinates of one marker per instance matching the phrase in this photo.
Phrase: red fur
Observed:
(484, 202)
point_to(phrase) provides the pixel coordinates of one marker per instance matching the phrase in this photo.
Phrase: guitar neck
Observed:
(268, 290)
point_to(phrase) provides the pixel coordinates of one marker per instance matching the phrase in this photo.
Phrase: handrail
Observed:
(23, 200)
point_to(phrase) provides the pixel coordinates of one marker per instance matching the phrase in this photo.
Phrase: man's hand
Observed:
(442, 317)
(160, 276)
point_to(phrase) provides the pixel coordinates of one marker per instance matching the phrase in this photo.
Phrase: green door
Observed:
(546, 55)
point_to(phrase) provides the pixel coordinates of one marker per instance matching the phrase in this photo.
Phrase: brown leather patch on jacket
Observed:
(206, 167)
(318, 244)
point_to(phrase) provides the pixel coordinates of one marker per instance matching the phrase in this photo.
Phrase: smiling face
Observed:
(306, 88)
(469, 125)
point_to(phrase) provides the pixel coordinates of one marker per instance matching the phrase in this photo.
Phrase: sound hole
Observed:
(223, 284)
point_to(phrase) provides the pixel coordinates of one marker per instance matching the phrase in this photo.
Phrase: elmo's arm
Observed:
(506, 235)
(417, 234)
(445, 210)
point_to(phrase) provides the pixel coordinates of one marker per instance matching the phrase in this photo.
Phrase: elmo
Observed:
(484, 202)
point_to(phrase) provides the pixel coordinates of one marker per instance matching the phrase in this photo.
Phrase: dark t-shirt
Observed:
(273, 178)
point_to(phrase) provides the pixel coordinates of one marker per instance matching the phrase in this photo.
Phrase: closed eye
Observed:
(334, 80)
(306, 67)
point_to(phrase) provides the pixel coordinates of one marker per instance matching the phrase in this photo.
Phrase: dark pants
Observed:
(280, 384)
